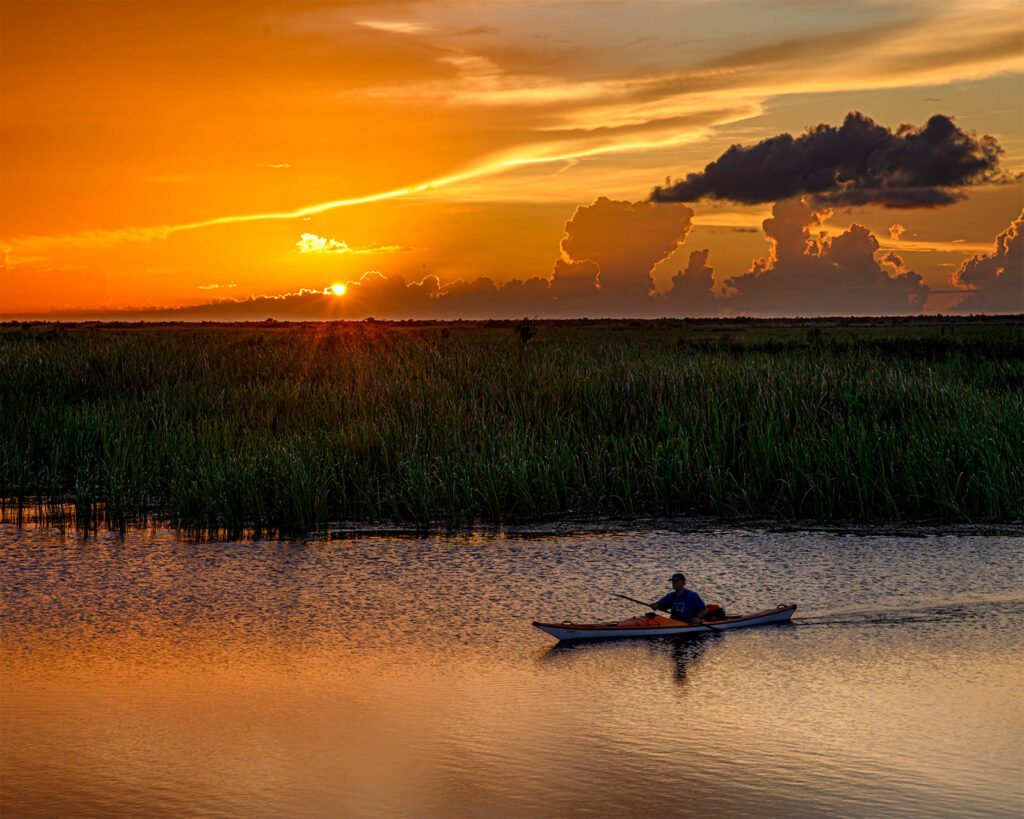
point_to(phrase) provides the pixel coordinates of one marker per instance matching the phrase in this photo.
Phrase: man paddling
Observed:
(682, 603)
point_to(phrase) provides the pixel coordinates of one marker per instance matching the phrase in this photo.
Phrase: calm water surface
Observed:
(383, 676)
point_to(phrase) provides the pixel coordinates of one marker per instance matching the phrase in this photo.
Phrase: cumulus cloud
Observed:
(387, 296)
(692, 291)
(996, 279)
(572, 280)
(808, 273)
(858, 163)
(482, 298)
(625, 240)
(609, 249)
(573, 290)
(896, 231)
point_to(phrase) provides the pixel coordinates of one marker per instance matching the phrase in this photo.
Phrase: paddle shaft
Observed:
(631, 599)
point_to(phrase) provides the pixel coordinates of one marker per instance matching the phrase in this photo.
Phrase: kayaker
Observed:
(682, 604)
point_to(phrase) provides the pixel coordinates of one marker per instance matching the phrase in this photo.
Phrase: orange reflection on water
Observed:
(387, 677)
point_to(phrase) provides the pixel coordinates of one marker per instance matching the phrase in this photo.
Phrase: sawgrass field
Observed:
(296, 427)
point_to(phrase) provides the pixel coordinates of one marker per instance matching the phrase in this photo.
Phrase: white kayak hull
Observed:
(661, 626)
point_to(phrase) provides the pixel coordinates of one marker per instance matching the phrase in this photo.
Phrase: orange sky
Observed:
(161, 155)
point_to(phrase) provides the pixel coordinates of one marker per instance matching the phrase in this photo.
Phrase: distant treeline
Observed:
(294, 427)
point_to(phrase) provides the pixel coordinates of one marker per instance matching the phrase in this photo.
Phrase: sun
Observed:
(336, 289)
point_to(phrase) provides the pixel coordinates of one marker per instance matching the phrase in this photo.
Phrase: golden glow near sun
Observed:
(453, 152)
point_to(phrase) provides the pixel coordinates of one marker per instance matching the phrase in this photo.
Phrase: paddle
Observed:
(631, 599)
(648, 605)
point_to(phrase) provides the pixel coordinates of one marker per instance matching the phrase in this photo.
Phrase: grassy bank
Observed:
(288, 428)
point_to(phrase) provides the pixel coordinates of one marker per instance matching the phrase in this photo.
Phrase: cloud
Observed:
(563, 86)
(311, 243)
(479, 80)
(896, 231)
(809, 273)
(386, 296)
(571, 279)
(625, 240)
(858, 163)
(395, 26)
(996, 279)
(477, 31)
(692, 291)
(608, 251)
(100, 238)
(570, 292)
(482, 298)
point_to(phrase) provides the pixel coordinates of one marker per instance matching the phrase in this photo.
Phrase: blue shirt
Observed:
(682, 606)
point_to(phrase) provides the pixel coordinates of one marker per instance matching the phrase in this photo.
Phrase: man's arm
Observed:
(697, 600)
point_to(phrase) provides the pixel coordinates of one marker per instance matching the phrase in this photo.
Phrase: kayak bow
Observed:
(658, 626)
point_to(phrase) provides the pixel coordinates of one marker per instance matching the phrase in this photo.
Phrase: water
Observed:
(394, 677)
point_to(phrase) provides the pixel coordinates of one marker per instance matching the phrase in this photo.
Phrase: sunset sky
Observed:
(470, 159)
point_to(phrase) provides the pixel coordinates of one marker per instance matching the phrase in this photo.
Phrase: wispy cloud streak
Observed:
(99, 238)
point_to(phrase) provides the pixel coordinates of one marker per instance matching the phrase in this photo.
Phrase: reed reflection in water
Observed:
(398, 676)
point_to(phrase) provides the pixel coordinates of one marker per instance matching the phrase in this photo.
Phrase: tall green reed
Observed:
(292, 429)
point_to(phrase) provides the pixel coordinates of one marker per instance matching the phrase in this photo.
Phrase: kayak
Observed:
(658, 626)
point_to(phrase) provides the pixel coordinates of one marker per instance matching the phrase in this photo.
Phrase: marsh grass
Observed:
(292, 428)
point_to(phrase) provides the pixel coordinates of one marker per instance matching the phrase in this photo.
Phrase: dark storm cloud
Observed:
(858, 163)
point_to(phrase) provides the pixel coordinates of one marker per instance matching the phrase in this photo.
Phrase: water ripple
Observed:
(395, 676)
